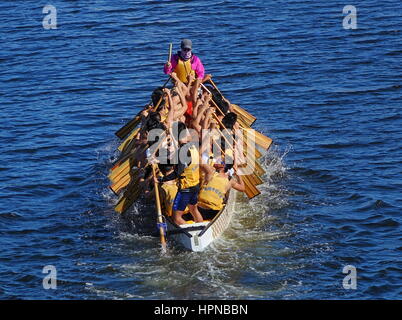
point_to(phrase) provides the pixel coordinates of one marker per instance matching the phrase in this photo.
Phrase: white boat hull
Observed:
(198, 236)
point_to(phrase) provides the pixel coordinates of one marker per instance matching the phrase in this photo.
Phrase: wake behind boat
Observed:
(191, 152)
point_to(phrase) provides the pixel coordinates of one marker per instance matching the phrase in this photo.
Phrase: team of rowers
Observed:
(194, 180)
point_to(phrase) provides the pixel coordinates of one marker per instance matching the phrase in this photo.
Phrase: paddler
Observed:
(187, 173)
(218, 182)
(168, 188)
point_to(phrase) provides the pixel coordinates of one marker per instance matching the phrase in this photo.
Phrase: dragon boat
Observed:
(125, 180)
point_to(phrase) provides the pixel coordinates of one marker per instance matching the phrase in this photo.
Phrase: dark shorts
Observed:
(184, 198)
(207, 214)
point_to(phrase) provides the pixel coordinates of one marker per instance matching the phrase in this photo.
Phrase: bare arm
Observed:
(170, 116)
(195, 88)
(196, 107)
(196, 122)
(238, 185)
(180, 85)
(207, 119)
(183, 102)
(207, 77)
(209, 172)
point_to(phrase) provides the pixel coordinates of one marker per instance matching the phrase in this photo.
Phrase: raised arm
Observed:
(170, 116)
(183, 102)
(179, 84)
(239, 184)
(170, 65)
(209, 172)
(196, 122)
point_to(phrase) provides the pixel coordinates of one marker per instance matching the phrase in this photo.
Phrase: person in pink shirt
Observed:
(185, 63)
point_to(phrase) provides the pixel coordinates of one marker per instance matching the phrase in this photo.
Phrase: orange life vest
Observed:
(183, 69)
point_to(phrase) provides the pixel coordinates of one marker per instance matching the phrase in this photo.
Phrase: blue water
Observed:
(330, 99)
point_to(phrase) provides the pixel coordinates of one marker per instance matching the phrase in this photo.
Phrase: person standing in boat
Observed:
(187, 175)
(187, 68)
(185, 63)
(214, 189)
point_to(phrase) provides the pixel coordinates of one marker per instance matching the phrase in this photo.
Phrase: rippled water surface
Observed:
(329, 97)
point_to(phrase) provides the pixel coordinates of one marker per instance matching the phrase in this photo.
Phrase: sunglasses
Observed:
(186, 49)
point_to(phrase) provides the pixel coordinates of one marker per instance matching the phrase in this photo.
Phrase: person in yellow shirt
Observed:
(187, 173)
(214, 189)
(168, 189)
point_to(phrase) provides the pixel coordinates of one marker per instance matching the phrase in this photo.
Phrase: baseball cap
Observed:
(186, 44)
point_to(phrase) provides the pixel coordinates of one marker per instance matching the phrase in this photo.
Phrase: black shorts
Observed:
(207, 214)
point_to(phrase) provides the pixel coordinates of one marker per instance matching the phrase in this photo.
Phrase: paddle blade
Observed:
(125, 180)
(243, 116)
(255, 179)
(128, 127)
(251, 190)
(125, 145)
(120, 170)
(259, 170)
(130, 195)
(261, 140)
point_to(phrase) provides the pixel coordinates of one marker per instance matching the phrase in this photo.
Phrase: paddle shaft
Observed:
(248, 157)
(216, 107)
(250, 190)
(170, 52)
(216, 117)
(214, 85)
(159, 211)
(239, 111)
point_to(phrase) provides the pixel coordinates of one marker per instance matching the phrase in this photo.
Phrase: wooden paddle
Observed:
(245, 120)
(133, 190)
(130, 195)
(133, 175)
(127, 144)
(130, 126)
(251, 190)
(124, 161)
(241, 122)
(260, 171)
(257, 153)
(250, 181)
(263, 141)
(123, 146)
(159, 211)
(122, 175)
(221, 124)
(118, 171)
(126, 156)
(121, 163)
(170, 52)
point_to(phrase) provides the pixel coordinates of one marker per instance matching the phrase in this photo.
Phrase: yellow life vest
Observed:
(191, 175)
(183, 69)
(212, 195)
(168, 193)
